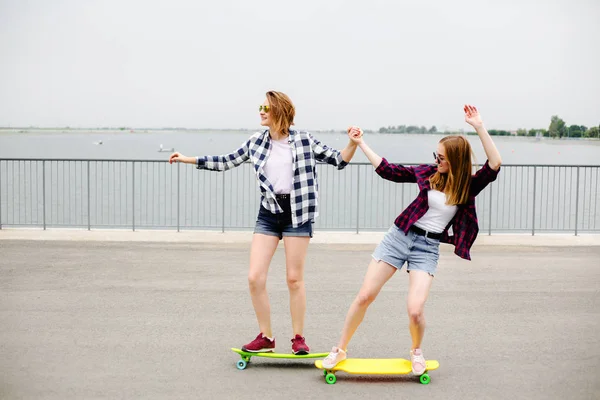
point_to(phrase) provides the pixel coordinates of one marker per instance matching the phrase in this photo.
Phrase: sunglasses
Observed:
(437, 158)
(264, 108)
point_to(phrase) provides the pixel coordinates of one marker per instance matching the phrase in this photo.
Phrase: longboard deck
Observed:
(375, 366)
(278, 355)
(246, 356)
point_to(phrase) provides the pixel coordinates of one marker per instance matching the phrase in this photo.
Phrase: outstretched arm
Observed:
(215, 163)
(473, 118)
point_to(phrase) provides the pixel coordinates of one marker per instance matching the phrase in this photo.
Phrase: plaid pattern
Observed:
(306, 151)
(464, 224)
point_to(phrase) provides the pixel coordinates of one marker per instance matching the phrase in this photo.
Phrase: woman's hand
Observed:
(178, 157)
(355, 134)
(472, 116)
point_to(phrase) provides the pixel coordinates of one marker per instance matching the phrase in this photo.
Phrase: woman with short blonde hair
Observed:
(284, 161)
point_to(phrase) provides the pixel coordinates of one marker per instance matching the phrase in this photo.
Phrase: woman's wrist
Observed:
(479, 128)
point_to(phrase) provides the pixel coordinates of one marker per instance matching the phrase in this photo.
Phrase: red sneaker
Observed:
(299, 346)
(261, 344)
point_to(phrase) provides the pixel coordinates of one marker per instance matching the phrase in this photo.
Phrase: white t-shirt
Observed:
(439, 213)
(278, 168)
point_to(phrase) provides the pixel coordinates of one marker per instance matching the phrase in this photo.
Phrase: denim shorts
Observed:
(419, 252)
(280, 225)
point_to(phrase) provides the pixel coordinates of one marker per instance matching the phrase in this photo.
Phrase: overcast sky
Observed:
(207, 64)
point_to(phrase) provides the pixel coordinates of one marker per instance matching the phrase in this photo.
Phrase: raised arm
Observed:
(356, 135)
(391, 172)
(348, 151)
(473, 118)
(331, 156)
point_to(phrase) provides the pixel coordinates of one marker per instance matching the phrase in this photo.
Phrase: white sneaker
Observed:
(336, 356)
(418, 362)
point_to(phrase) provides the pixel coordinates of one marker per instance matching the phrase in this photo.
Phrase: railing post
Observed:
(178, 169)
(44, 192)
(64, 200)
(357, 198)
(223, 204)
(534, 190)
(490, 216)
(133, 196)
(89, 208)
(1, 196)
(577, 201)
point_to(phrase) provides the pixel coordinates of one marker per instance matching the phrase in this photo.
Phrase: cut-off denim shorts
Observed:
(419, 252)
(280, 225)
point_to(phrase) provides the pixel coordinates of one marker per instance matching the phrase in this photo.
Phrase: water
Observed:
(140, 145)
(158, 195)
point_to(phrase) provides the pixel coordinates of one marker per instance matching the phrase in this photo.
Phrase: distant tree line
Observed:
(408, 129)
(557, 129)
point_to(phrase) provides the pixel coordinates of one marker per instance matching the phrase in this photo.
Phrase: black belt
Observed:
(284, 202)
(422, 232)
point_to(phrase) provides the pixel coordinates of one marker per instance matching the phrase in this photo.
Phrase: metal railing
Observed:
(151, 194)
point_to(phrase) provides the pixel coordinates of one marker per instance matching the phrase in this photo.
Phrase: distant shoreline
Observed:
(30, 130)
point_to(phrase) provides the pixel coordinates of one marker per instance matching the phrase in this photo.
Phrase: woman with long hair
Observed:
(446, 200)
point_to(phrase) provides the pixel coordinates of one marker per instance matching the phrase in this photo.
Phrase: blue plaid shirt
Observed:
(306, 151)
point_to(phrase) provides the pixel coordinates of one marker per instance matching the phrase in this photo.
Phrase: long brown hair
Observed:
(282, 111)
(457, 181)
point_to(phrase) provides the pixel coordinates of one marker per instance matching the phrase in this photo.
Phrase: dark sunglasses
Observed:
(436, 157)
(265, 108)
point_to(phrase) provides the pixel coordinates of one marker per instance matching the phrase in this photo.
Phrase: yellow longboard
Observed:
(375, 366)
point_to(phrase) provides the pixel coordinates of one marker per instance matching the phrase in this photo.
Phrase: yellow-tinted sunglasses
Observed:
(264, 108)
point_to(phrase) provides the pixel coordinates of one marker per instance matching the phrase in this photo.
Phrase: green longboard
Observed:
(246, 356)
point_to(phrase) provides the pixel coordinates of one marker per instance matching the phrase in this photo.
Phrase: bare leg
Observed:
(295, 255)
(261, 253)
(419, 284)
(377, 275)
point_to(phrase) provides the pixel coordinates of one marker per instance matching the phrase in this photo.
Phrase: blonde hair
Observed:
(282, 111)
(457, 181)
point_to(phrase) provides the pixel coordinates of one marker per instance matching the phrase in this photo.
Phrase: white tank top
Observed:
(278, 168)
(439, 213)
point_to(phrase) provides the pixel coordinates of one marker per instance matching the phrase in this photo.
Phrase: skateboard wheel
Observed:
(242, 364)
(325, 372)
(330, 378)
(425, 379)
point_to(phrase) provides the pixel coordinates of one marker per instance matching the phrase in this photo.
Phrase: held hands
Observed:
(472, 116)
(355, 134)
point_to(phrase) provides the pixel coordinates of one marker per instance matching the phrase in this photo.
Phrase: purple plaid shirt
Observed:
(464, 224)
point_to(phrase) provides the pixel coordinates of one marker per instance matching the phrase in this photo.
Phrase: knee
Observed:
(294, 283)
(415, 313)
(256, 282)
(364, 299)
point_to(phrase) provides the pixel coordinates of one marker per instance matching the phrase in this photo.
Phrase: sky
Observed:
(208, 64)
